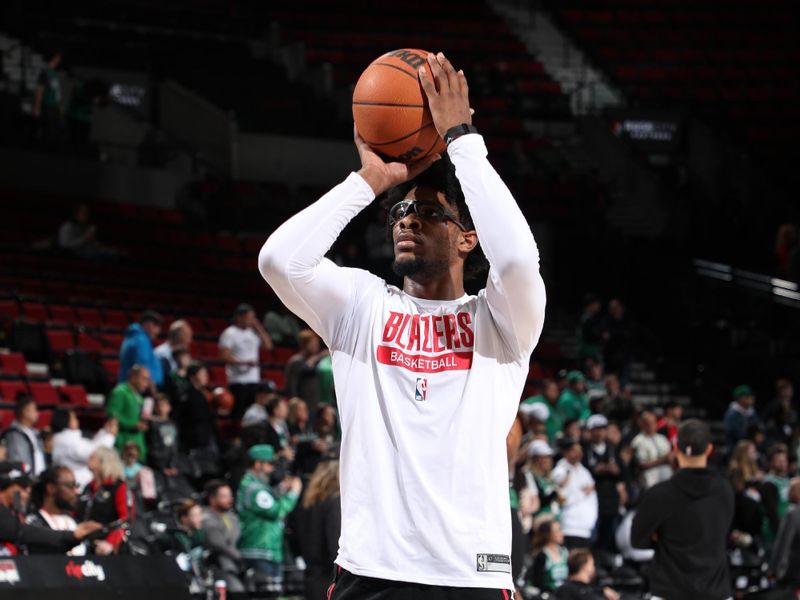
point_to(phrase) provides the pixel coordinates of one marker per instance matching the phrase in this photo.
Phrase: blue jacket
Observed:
(137, 349)
(737, 421)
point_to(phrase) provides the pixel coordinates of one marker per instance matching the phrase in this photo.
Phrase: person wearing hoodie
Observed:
(686, 519)
(137, 348)
(740, 416)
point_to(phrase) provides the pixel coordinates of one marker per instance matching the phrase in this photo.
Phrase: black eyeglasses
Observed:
(426, 211)
(69, 484)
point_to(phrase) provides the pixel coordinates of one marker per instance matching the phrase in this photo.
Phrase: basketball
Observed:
(391, 111)
(223, 399)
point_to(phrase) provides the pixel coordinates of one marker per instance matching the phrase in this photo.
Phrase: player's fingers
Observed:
(417, 168)
(438, 75)
(471, 112)
(449, 72)
(427, 82)
(463, 81)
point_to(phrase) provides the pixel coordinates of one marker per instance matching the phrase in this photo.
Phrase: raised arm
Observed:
(293, 259)
(515, 290)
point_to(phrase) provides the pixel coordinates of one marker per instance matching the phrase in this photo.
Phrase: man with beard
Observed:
(428, 377)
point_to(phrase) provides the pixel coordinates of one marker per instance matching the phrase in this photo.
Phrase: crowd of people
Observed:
(582, 458)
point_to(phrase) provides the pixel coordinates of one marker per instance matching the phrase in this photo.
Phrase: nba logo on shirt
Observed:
(422, 390)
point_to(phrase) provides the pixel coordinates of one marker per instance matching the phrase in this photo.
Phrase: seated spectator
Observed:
(595, 385)
(538, 493)
(576, 485)
(775, 490)
(239, 347)
(301, 369)
(785, 560)
(745, 478)
(603, 463)
(190, 538)
(54, 497)
(580, 565)
(105, 499)
(22, 440)
(549, 397)
(669, 422)
(78, 236)
(179, 335)
(652, 451)
(137, 349)
(741, 415)
(617, 404)
(320, 524)
(71, 449)
(549, 568)
(162, 438)
(256, 413)
(221, 528)
(298, 421)
(282, 327)
(139, 479)
(126, 404)
(573, 403)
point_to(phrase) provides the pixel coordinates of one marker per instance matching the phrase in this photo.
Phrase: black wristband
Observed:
(456, 132)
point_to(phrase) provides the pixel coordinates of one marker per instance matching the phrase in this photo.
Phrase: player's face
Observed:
(425, 239)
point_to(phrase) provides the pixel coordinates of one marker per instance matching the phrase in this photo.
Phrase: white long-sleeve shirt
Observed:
(580, 510)
(427, 390)
(71, 449)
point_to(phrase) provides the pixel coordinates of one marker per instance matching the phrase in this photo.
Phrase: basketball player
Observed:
(428, 379)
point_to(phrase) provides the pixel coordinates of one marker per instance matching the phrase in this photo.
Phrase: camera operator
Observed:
(15, 535)
(262, 510)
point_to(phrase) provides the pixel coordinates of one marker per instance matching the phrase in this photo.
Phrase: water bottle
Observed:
(221, 588)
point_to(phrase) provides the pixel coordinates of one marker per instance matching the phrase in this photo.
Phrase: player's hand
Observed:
(382, 175)
(447, 91)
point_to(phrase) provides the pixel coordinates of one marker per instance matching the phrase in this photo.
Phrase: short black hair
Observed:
(441, 177)
(21, 402)
(694, 436)
(151, 316)
(243, 309)
(194, 368)
(273, 403)
(60, 420)
(577, 559)
(212, 487)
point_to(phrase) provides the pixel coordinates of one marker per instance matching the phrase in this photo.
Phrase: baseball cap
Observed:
(537, 410)
(742, 390)
(539, 448)
(263, 452)
(596, 422)
(13, 473)
(575, 377)
(266, 386)
(243, 308)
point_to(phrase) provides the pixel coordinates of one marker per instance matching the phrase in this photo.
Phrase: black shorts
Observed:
(347, 586)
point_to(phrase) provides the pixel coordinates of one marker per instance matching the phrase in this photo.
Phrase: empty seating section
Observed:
(736, 61)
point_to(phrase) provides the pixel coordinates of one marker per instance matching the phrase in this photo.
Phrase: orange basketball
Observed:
(223, 399)
(391, 111)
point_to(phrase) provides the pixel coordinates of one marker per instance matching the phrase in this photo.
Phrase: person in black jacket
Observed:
(580, 584)
(15, 535)
(687, 519)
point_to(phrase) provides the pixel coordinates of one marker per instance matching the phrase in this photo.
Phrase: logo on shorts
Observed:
(497, 563)
(421, 392)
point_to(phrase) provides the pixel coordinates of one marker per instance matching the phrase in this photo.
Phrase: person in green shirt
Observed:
(125, 405)
(549, 398)
(573, 403)
(775, 491)
(190, 537)
(549, 569)
(262, 512)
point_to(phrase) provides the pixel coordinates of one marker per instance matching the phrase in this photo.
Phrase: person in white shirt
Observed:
(427, 377)
(580, 509)
(179, 335)
(653, 452)
(72, 450)
(239, 347)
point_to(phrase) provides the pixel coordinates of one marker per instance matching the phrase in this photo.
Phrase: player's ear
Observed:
(467, 240)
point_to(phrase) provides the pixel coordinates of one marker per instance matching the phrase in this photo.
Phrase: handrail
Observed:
(782, 291)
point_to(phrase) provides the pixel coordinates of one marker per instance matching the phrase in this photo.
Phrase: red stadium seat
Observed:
(10, 389)
(60, 340)
(218, 376)
(111, 367)
(6, 418)
(117, 318)
(275, 375)
(62, 314)
(44, 393)
(89, 317)
(74, 395)
(9, 309)
(45, 418)
(34, 311)
(13, 363)
(90, 342)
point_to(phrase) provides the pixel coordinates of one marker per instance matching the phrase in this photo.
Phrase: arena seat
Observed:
(44, 393)
(10, 389)
(74, 395)
(13, 363)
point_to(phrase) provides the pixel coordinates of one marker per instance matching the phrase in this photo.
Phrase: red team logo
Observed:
(427, 343)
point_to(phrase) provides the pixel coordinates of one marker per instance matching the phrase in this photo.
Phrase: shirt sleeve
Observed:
(225, 340)
(515, 291)
(293, 259)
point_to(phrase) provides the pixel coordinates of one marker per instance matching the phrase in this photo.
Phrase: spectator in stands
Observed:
(301, 369)
(256, 413)
(538, 493)
(741, 415)
(780, 415)
(78, 236)
(669, 422)
(222, 531)
(549, 397)
(190, 537)
(745, 478)
(618, 336)
(687, 520)
(575, 482)
(775, 490)
(282, 327)
(47, 102)
(179, 335)
(262, 510)
(71, 449)
(652, 451)
(22, 440)
(549, 568)
(595, 385)
(195, 417)
(785, 559)
(617, 404)
(125, 404)
(55, 496)
(105, 499)
(137, 348)
(573, 403)
(326, 432)
(239, 347)
(581, 569)
(603, 463)
(162, 438)
(15, 535)
(590, 329)
(139, 478)
(298, 421)
(321, 523)
(176, 382)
